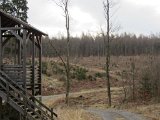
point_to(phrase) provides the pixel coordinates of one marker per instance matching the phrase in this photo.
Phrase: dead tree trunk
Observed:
(68, 51)
(106, 6)
(64, 5)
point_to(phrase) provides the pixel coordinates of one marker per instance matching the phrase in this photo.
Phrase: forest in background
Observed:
(87, 45)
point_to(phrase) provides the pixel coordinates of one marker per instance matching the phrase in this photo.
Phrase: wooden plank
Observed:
(5, 41)
(24, 57)
(14, 66)
(11, 28)
(8, 36)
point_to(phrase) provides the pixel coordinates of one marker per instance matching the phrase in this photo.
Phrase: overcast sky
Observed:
(134, 16)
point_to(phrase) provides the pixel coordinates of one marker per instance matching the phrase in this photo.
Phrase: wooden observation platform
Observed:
(20, 75)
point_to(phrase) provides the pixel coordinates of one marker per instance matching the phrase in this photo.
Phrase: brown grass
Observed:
(75, 114)
(118, 65)
(150, 111)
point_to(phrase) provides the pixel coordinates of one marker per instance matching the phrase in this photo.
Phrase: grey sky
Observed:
(134, 16)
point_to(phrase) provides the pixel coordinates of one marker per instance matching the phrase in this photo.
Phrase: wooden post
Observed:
(19, 52)
(19, 49)
(24, 57)
(0, 45)
(24, 69)
(40, 64)
(1, 108)
(15, 52)
(33, 65)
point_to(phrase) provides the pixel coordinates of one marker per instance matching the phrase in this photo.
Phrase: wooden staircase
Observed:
(22, 101)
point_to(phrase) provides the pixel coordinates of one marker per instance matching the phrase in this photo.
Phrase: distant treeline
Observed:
(86, 45)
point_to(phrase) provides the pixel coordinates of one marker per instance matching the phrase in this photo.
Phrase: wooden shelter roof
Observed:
(8, 20)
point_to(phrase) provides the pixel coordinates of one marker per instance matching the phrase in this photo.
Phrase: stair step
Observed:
(22, 106)
(35, 116)
(32, 113)
(14, 99)
(18, 100)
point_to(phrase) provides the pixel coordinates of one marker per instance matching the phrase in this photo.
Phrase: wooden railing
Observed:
(15, 72)
(14, 91)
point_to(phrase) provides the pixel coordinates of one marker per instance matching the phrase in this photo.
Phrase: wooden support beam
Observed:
(19, 48)
(29, 36)
(5, 41)
(15, 53)
(11, 28)
(0, 44)
(1, 111)
(17, 36)
(33, 65)
(24, 57)
(19, 52)
(37, 45)
(24, 69)
(8, 36)
(40, 65)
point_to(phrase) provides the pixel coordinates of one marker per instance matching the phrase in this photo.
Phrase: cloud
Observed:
(138, 18)
(135, 16)
(81, 21)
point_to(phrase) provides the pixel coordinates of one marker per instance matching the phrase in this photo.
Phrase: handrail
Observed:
(32, 97)
(10, 86)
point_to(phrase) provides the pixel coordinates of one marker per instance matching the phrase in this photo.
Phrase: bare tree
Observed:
(64, 5)
(106, 7)
(133, 70)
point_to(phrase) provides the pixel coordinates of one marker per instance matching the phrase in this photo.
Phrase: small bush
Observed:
(91, 78)
(80, 73)
(62, 78)
(99, 75)
(146, 87)
(49, 71)
(44, 67)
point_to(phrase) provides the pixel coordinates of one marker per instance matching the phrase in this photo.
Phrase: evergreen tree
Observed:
(7, 6)
(20, 9)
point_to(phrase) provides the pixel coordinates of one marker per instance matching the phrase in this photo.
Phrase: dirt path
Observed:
(108, 114)
(112, 114)
(50, 99)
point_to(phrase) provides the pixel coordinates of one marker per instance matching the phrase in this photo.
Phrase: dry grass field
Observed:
(121, 77)
(120, 73)
(75, 114)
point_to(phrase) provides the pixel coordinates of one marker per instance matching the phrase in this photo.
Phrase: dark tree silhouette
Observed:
(7, 6)
(20, 9)
(17, 8)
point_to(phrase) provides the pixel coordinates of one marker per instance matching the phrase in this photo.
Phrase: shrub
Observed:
(145, 85)
(100, 75)
(91, 78)
(49, 71)
(80, 73)
(62, 78)
(44, 67)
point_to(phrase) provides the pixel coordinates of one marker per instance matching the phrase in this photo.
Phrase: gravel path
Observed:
(112, 114)
(108, 114)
